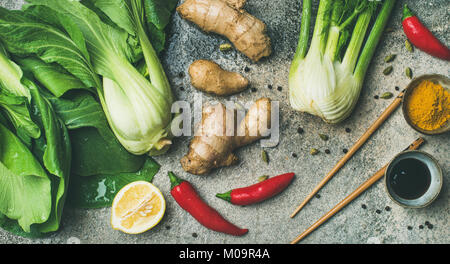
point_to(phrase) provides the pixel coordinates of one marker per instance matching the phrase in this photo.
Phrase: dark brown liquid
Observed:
(410, 178)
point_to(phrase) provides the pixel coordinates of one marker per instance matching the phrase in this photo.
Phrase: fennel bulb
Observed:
(326, 81)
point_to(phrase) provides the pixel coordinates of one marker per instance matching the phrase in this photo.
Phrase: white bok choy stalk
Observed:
(138, 114)
(327, 79)
(138, 110)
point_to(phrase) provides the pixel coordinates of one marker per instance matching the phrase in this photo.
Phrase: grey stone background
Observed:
(269, 221)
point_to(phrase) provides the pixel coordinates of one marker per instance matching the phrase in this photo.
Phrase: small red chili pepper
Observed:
(421, 37)
(258, 192)
(186, 196)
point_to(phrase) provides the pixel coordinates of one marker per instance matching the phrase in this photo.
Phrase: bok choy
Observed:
(71, 72)
(35, 155)
(326, 79)
(137, 109)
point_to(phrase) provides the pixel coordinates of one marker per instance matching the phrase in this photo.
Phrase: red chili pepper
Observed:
(186, 196)
(421, 37)
(258, 192)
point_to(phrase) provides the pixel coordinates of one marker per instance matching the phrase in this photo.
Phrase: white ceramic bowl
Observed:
(435, 185)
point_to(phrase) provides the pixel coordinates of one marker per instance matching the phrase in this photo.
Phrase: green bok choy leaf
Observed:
(34, 172)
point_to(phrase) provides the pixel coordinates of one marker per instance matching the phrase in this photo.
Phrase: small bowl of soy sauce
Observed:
(413, 179)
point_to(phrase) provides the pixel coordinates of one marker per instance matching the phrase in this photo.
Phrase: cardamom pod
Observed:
(314, 151)
(408, 72)
(264, 156)
(388, 70)
(386, 95)
(225, 47)
(323, 137)
(409, 47)
(262, 178)
(390, 58)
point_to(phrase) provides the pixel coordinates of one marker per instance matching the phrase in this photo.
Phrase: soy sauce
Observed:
(410, 178)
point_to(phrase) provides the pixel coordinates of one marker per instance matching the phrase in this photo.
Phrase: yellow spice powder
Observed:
(429, 106)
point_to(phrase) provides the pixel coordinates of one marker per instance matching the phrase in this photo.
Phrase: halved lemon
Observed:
(137, 207)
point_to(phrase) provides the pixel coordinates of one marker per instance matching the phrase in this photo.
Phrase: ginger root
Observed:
(208, 76)
(236, 4)
(227, 18)
(216, 139)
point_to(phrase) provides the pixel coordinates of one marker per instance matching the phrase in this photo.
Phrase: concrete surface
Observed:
(269, 221)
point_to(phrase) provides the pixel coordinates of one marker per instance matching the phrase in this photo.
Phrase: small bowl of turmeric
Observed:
(426, 104)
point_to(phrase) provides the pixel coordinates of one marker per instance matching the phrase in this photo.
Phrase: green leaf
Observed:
(15, 97)
(56, 148)
(99, 190)
(158, 12)
(56, 153)
(103, 17)
(10, 76)
(36, 178)
(156, 17)
(54, 77)
(4, 121)
(119, 11)
(45, 15)
(17, 110)
(79, 109)
(105, 44)
(157, 37)
(23, 35)
(95, 154)
(13, 227)
(25, 188)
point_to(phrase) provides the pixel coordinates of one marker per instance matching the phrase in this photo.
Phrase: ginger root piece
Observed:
(246, 32)
(208, 76)
(213, 145)
(236, 4)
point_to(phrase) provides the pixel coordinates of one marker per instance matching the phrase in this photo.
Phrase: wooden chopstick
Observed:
(389, 110)
(378, 175)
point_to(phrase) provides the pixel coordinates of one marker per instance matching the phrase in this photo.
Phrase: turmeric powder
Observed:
(428, 106)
